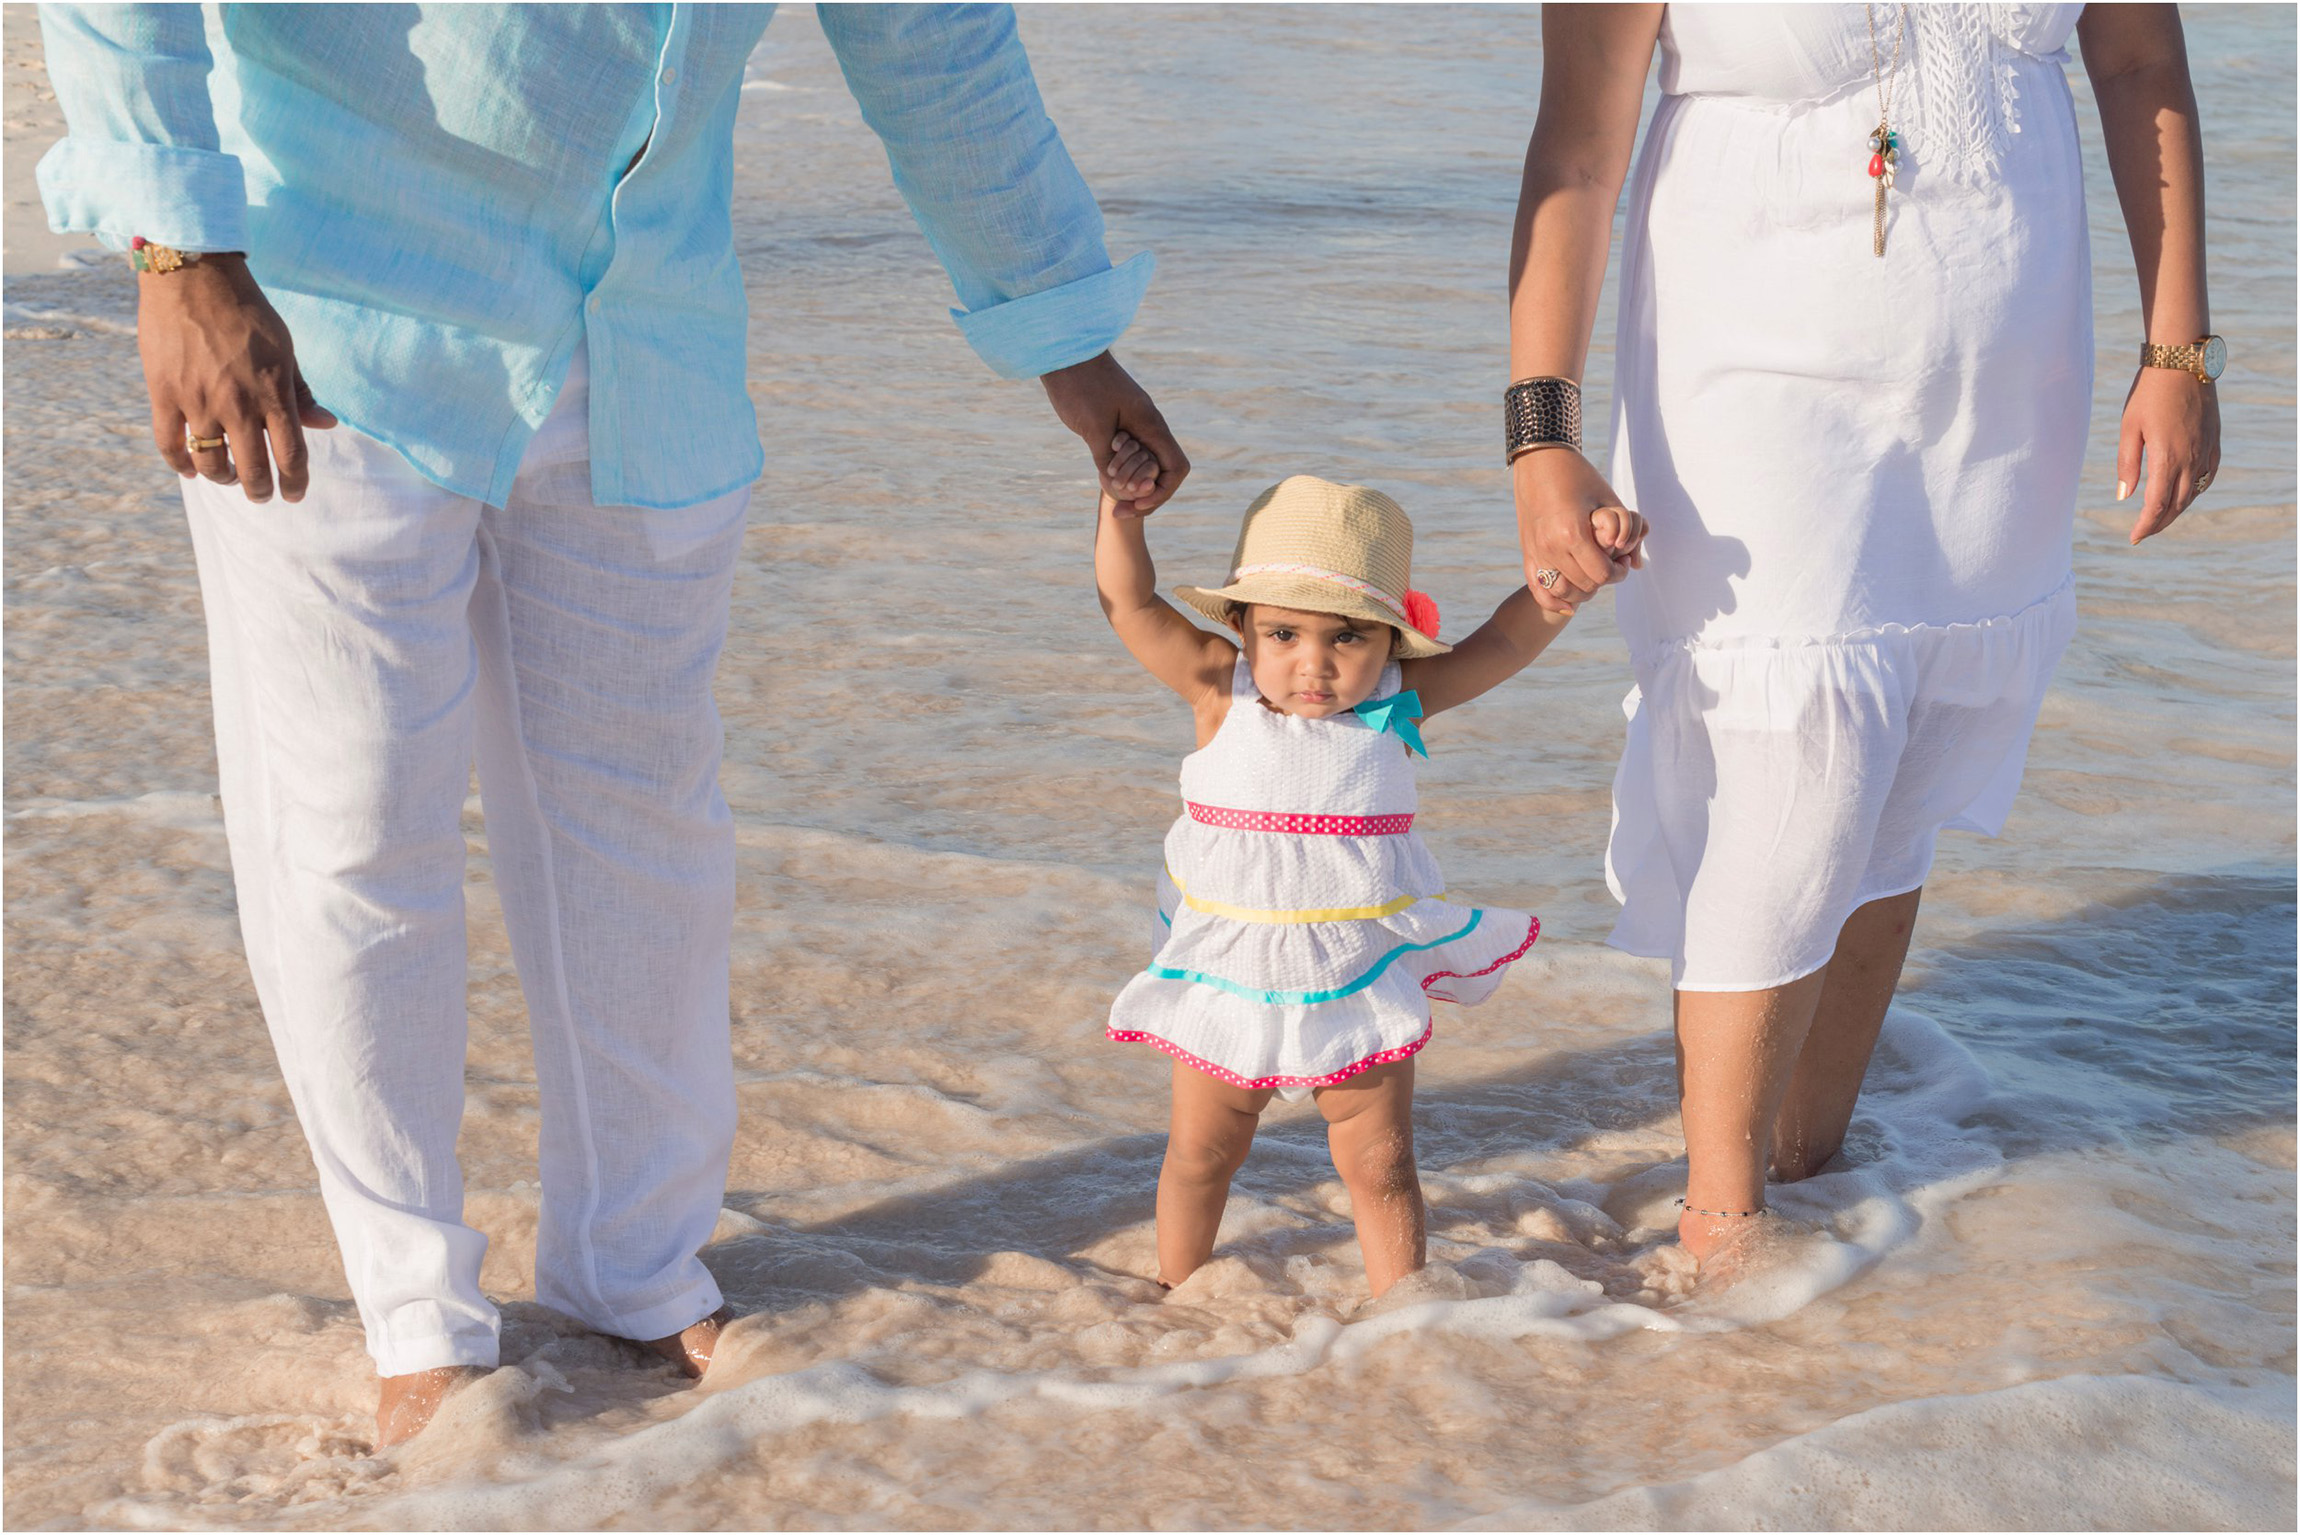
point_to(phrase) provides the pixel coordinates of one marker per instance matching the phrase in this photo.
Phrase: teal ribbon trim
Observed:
(1399, 714)
(1310, 998)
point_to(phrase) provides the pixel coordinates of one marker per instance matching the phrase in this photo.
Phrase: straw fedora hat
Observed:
(1318, 547)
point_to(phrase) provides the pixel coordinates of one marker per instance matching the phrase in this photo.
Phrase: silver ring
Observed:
(1547, 579)
(2203, 485)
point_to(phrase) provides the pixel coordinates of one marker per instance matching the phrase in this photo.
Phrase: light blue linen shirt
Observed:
(434, 198)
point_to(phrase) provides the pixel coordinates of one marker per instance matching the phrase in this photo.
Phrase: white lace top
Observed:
(1965, 69)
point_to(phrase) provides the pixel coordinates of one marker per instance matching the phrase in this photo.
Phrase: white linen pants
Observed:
(365, 645)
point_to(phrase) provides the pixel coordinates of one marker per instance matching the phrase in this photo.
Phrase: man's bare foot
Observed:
(408, 1401)
(690, 1348)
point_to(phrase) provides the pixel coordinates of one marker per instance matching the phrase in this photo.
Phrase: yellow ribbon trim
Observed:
(1314, 914)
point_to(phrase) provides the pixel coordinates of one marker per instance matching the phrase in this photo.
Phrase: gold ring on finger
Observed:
(1547, 579)
(202, 444)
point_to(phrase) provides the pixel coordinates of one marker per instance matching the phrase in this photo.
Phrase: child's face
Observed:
(1313, 664)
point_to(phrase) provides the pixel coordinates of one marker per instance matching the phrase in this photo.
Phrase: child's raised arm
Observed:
(1192, 662)
(1520, 629)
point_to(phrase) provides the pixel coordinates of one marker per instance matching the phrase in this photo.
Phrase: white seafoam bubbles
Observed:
(2073, 1178)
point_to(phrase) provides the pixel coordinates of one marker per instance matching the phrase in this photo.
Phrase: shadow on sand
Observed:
(2163, 1013)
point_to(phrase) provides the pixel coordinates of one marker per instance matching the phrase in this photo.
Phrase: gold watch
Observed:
(2207, 357)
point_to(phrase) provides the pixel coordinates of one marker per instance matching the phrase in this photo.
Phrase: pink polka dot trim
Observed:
(1532, 932)
(1256, 1084)
(1301, 824)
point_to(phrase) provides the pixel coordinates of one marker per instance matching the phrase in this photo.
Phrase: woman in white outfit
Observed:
(1854, 369)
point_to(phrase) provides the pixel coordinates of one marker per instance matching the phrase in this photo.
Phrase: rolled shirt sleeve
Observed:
(140, 155)
(948, 90)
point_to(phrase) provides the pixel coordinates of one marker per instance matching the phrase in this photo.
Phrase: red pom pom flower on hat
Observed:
(1422, 613)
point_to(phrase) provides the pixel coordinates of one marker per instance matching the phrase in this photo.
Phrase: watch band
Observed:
(2187, 357)
(2195, 357)
(1540, 413)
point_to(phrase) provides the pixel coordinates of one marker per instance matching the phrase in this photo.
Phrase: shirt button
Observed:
(594, 303)
(670, 77)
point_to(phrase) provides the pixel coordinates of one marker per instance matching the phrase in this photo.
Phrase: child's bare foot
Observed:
(408, 1402)
(690, 1348)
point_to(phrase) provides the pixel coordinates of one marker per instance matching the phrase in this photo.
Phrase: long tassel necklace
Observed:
(1884, 144)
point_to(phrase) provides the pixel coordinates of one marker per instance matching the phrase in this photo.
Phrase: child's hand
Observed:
(1620, 532)
(1131, 472)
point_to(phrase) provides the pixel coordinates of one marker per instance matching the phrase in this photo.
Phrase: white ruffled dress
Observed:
(1860, 472)
(1302, 929)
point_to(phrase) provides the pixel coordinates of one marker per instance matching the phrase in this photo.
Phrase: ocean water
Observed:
(2051, 1287)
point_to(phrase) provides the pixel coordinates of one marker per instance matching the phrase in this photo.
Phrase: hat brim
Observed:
(1306, 594)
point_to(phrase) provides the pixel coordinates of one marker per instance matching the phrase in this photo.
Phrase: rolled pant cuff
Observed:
(658, 1321)
(438, 1351)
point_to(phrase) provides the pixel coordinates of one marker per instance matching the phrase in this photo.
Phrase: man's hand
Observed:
(1097, 400)
(1560, 499)
(218, 362)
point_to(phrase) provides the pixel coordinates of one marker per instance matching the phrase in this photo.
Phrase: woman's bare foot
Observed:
(1712, 1238)
(408, 1402)
(690, 1348)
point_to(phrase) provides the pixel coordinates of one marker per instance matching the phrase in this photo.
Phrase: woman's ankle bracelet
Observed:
(1733, 1214)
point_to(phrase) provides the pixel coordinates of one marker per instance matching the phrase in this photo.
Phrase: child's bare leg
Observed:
(1370, 1130)
(1212, 1125)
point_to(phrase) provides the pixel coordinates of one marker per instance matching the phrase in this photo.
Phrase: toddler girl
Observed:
(1301, 927)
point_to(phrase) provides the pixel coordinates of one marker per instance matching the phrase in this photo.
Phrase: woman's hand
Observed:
(1559, 498)
(2172, 420)
(2138, 62)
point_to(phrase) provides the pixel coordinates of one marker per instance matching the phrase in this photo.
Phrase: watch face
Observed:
(2215, 356)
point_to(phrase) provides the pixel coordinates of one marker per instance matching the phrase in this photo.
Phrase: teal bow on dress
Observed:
(1399, 714)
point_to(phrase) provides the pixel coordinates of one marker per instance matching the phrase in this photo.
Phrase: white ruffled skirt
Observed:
(1769, 788)
(1298, 1006)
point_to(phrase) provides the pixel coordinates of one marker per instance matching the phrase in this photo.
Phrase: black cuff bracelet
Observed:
(1540, 413)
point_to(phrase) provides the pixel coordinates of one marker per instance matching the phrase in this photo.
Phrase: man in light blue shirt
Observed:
(460, 282)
